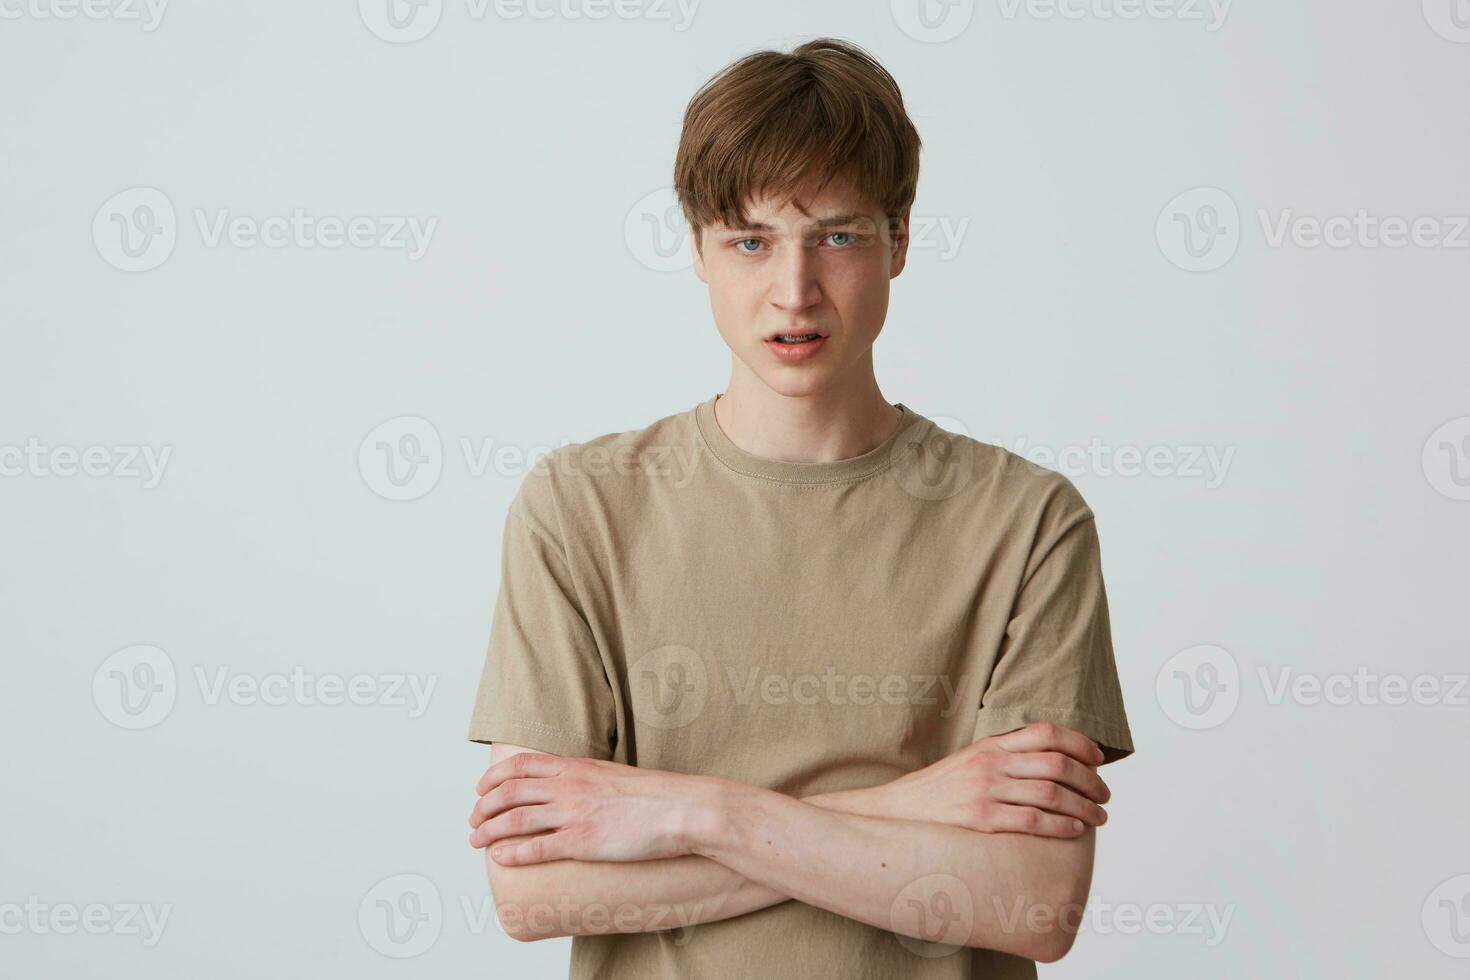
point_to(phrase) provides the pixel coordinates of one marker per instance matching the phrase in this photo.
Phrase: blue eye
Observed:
(744, 241)
(845, 234)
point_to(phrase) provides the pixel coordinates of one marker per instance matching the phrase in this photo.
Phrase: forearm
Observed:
(1008, 891)
(564, 898)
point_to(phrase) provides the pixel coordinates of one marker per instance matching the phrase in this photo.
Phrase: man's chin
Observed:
(796, 381)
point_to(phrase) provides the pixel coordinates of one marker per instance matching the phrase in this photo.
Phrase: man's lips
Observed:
(807, 332)
(796, 350)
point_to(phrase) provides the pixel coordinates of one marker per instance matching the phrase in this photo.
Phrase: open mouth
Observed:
(796, 347)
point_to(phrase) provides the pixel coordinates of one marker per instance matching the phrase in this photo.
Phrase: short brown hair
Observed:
(771, 122)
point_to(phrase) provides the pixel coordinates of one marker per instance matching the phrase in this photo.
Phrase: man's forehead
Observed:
(829, 210)
(816, 221)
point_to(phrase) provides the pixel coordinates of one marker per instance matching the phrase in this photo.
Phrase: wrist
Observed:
(870, 801)
(724, 816)
(705, 815)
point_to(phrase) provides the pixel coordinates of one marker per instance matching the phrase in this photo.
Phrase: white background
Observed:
(539, 140)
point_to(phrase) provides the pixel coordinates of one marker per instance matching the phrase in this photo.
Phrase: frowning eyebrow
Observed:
(827, 222)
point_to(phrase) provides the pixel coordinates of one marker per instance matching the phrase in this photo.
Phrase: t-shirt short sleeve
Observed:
(544, 684)
(1056, 658)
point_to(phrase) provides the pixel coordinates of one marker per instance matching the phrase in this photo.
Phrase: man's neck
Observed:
(823, 427)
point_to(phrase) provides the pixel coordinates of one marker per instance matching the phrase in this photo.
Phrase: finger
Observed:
(548, 847)
(1059, 768)
(511, 793)
(1051, 797)
(1046, 736)
(520, 764)
(515, 823)
(1037, 823)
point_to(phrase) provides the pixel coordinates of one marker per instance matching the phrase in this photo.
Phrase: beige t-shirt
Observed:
(669, 600)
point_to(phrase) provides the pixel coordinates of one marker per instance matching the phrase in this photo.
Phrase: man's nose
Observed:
(795, 286)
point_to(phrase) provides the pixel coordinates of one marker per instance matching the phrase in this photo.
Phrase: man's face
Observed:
(822, 272)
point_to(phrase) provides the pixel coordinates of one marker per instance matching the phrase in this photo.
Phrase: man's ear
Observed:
(696, 247)
(899, 239)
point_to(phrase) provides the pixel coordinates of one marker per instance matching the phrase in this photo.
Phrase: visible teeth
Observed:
(790, 338)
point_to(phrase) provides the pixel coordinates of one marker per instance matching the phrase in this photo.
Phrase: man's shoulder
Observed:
(1009, 480)
(604, 464)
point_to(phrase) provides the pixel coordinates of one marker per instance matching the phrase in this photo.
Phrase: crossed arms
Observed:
(586, 846)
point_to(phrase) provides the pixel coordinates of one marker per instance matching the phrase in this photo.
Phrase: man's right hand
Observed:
(1038, 780)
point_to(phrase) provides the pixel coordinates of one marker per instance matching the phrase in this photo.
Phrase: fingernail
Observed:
(495, 852)
(1076, 826)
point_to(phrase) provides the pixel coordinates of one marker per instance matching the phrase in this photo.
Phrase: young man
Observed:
(795, 683)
